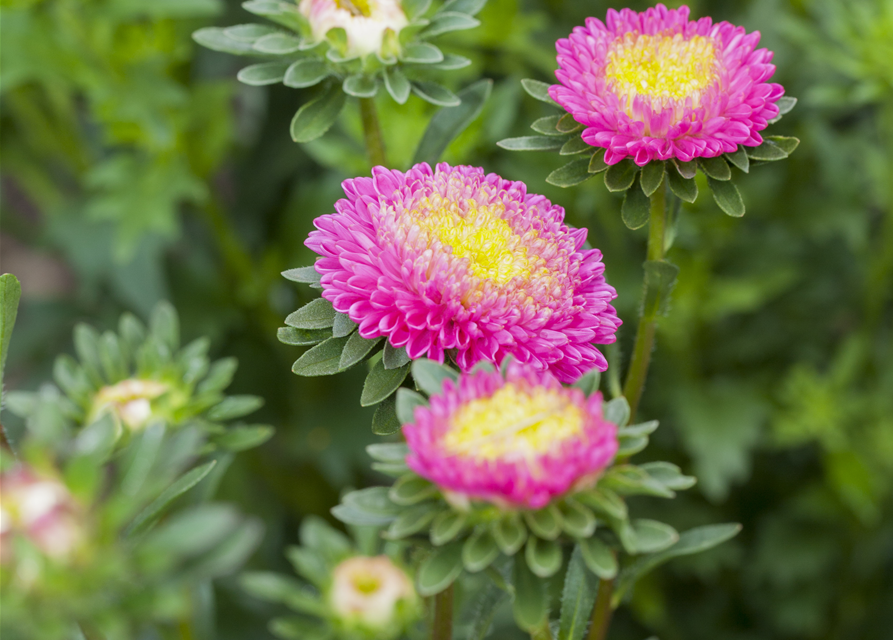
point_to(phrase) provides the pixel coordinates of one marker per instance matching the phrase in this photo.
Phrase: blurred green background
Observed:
(135, 168)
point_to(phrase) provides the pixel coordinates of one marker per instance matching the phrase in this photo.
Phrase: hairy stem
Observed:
(644, 345)
(442, 629)
(601, 612)
(372, 132)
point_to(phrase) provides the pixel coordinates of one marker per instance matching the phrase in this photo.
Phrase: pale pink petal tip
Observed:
(457, 263)
(548, 442)
(656, 85)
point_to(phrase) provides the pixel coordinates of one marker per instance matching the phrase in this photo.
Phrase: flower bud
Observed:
(130, 401)
(364, 21)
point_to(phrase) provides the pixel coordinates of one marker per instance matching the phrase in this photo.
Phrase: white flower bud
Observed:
(364, 21)
(374, 594)
(129, 400)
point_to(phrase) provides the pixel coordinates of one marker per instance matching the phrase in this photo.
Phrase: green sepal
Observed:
(394, 357)
(636, 208)
(599, 558)
(302, 337)
(630, 480)
(316, 117)
(343, 325)
(531, 604)
(716, 168)
(306, 275)
(539, 91)
(543, 556)
(264, 73)
(686, 169)
(360, 85)
(356, 349)
(278, 44)
(509, 533)
(412, 520)
(727, 196)
(652, 176)
(316, 314)
(651, 536)
(617, 411)
(588, 382)
(381, 383)
(548, 126)
(620, 176)
(573, 173)
(682, 187)
(577, 519)
(275, 587)
(669, 475)
(322, 360)
(575, 146)
(411, 489)
(447, 21)
(440, 569)
(390, 452)
(397, 85)
(306, 72)
(605, 501)
(421, 53)
(479, 550)
(446, 526)
(545, 522)
(739, 159)
(597, 163)
(233, 407)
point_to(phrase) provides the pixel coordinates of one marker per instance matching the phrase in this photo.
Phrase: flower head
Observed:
(372, 594)
(365, 22)
(456, 260)
(655, 85)
(517, 441)
(129, 401)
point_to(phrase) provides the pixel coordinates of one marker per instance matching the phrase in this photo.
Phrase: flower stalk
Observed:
(601, 612)
(372, 133)
(442, 628)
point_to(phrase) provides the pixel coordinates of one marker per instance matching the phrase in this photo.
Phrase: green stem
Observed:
(372, 133)
(543, 633)
(442, 629)
(644, 345)
(601, 612)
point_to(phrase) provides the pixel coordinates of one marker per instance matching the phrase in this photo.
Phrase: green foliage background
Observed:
(135, 168)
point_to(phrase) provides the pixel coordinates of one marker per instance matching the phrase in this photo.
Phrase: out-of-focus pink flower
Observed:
(517, 442)
(655, 85)
(456, 260)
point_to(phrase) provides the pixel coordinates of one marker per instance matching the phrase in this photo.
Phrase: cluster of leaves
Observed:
(299, 61)
(594, 520)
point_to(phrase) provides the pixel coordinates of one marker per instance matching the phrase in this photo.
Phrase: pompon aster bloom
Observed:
(456, 260)
(655, 85)
(517, 441)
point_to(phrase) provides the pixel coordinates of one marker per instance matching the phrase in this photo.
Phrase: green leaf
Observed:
(440, 569)
(617, 411)
(727, 197)
(575, 146)
(227, 557)
(421, 53)
(531, 604)
(588, 382)
(546, 522)
(669, 475)
(381, 382)
(97, 440)
(548, 126)
(641, 429)
(148, 516)
(374, 500)
(577, 519)
(451, 62)
(430, 375)
(111, 356)
(285, 13)
(415, 8)
(219, 376)
(690, 542)
(216, 39)
(567, 124)
(716, 168)
(636, 207)
(397, 85)
(683, 188)
(10, 294)
(394, 357)
(487, 602)
(356, 349)
(235, 407)
(407, 401)
(388, 452)
(532, 143)
(446, 21)
(435, 94)
(660, 279)
(249, 32)
(573, 173)
(322, 360)
(620, 176)
(360, 85)
(446, 526)
(278, 44)
(307, 72)
(785, 104)
(449, 122)
(384, 420)
(300, 628)
(191, 532)
(316, 117)
(686, 169)
(343, 325)
(310, 564)
(479, 551)
(739, 159)
(788, 144)
(577, 598)
(264, 73)
(316, 314)
(652, 176)
(317, 534)
(274, 587)
(599, 558)
(597, 163)
(302, 337)
(652, 536)
(631, 445)
(543, 556)
(538, 90)
(308, 275)
(412, 520)
(71, 379)
(630, 480)
(242, 438)
(509, 533)
(471, 7)
(411, 489)
(604, 501)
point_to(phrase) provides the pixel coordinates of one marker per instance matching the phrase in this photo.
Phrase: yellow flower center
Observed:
(479, 233)
(513, 423)
(356, 7)
(661, 67)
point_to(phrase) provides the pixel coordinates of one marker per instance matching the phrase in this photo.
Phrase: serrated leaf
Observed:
(683, 188)
(716, 168)
(407, 401)
(577, 598)
(652, 177)
(532, 143)
(446, 526)
(546, 522)
(620, 176)
(440, 569)
(435, 94)
(727, 196)
(360, 85)
(449, 122)
(397, 85)
(429, 375)
(322, 360)
(573, 173)
(599, 558)
(307, 72)
(316, 117)
(479, 550)
(235, 407)
(381, 383)
(384, 420)
(264, 73)
(487, 602)
(531, 604)
(538, 90)
(302, 337)
(636, 208)
(316, 314)
(421, 53)
(739, 159)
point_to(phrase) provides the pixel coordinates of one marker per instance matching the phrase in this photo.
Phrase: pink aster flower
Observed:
(655, 85)
(459, 261)
(518, 441)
